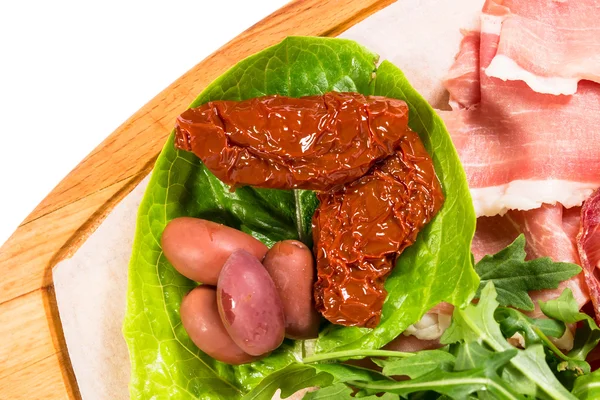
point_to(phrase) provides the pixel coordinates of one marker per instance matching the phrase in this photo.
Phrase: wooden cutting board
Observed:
(34, 361)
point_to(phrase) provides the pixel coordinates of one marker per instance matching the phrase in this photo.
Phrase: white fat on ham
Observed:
(430, 327)
(520, 148)
(549, 46)
(565, 342)
(529, 194)
(505, 68)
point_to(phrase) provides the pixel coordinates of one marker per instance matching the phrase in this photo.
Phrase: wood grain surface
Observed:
(34, 362)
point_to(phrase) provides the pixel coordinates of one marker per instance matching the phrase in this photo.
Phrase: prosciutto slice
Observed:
(462, 80)
(572, 223)
(520, 148)
(588, 244)
(550, 45)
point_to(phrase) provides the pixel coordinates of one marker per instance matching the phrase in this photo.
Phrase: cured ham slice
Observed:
(411, 344)
(520, 148)
(547, 44)
(462, 81)
(572, 223)
(546, 236)
(493, 234)
(588, 244)
(529, 157)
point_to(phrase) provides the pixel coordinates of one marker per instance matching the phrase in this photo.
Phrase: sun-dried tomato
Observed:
(314, 142)
(360, 229)
(377, 182)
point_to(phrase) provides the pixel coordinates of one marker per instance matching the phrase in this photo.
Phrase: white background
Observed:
(72, 71)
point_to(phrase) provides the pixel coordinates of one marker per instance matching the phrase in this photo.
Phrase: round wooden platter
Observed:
(34, 362)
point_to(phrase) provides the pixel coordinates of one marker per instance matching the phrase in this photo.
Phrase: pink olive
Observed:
(198, 248)
(249, 304)
(201, 320)
(291, 266)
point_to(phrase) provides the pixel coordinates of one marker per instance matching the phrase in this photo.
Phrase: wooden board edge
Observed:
(88, 224)
(58, 340)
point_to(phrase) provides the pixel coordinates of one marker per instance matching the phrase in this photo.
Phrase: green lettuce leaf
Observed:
(165, 363)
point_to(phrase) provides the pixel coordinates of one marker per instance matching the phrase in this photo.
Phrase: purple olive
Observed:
(249, 304)
(291, 266)
(201, 320)
(198, 248)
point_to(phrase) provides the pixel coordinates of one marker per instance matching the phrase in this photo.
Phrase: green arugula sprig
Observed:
(478, 362)
(566, 309)
(514, 277)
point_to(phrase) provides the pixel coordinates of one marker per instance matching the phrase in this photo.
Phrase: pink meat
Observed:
(547, 44)
(493, 234)
(412, 344)
(588, 244)
(572, 223)
(517, 134)
(462, 81)
(517, 137)
(520, 148)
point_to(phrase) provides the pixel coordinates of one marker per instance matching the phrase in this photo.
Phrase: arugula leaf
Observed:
(514, 277)
(471, 355)
(334, 392)
(586, 339)
(454, 384)
(297, 376)
(347, 372)
(476, 323)
(587, 387)
(512, 321)
(420, 364)
(438, 267)
(289, 379)
(566, 309)
(343, 392)
(354, 354)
